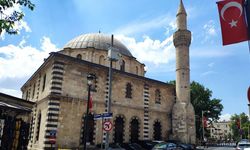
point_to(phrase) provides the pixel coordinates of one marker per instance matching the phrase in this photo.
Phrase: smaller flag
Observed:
(238, 123)
(204, 122)
(232, 20)
(90, 102)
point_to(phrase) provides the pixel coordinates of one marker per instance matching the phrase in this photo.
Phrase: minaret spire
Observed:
(181, 17)
(181, 9)
(183, 115)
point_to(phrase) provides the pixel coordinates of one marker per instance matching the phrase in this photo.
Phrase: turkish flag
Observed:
(232, 20)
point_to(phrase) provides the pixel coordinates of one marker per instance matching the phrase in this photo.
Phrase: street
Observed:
(216, 148)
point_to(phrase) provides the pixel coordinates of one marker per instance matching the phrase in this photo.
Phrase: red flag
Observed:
(204, 122)
(90, 103)
(238, 123)
(232, 20)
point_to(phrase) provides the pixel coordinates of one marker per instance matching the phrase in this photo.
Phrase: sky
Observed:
(146, 28)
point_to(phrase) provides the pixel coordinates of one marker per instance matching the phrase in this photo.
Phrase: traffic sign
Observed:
(107, 115)
(107, 126)
(103, 116)
(97, 116)
(52, 138)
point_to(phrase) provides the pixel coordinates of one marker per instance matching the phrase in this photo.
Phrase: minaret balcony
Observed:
(182, 38)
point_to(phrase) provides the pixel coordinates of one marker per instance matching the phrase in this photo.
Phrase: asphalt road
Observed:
(216, 148)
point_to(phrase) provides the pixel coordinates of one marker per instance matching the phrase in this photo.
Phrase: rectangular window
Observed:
(44, 82)
(34, 89)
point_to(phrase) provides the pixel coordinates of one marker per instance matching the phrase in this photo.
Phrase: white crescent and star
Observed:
(233, 23)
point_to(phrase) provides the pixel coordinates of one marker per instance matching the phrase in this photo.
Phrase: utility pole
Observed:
(113, 55)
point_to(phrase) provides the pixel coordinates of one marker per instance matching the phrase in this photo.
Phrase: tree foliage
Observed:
(239, 125)
(7, 21)
(202, 100)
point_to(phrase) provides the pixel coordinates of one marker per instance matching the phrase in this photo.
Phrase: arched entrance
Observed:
(90, 130)
(119, 129)
(157, 130)
(134, 130)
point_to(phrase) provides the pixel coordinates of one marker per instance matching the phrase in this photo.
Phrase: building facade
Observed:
(15, 118)
(220, 130)
(142, 108)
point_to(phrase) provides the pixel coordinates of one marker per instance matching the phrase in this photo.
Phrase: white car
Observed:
(243, 145)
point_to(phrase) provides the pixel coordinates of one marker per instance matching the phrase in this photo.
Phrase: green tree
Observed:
(7, 21)
(239, 125)
(202, 100)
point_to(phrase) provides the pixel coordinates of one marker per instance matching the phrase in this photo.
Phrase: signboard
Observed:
(103, 116)
(52, 138)
(107, 126)
(107, 115)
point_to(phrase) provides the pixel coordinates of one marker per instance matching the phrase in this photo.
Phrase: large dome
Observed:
(97, 41)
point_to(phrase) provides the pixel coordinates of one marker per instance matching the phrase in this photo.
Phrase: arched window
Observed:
(38, 126)
(128, 90)
(157, 96)
(136, 70)
(79, 56)
(101, 60)
(122, 65)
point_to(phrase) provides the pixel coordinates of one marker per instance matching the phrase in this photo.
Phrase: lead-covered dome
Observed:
(97, 41)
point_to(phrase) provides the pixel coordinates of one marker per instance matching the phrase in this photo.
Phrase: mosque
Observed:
(142, 108)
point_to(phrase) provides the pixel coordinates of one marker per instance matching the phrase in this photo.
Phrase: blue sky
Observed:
(146, 28)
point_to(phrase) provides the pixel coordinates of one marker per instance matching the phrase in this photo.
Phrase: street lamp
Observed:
(90, 78)
(202, 115)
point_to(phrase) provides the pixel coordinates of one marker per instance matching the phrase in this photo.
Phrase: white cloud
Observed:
(225, 117)
(21, 61)
(149, 50)
(209, 32)
(211, 64)
(210, 28)
(141, 26)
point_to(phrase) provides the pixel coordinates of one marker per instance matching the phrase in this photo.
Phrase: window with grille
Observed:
(128, 90)
(157, 96)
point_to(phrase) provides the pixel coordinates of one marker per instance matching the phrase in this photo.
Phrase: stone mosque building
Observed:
(143, 108)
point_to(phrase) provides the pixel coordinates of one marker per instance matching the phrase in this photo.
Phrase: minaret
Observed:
(183, 115)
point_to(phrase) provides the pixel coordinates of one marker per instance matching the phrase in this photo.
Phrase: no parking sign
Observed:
(107, 126)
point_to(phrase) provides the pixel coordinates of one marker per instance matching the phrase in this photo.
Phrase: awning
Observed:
(15, 106)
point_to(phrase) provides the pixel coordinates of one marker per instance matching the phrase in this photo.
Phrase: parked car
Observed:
(132, 146)
(112, 146)
(243, 145)
(183, 145)
(148, 144)
(166, 146)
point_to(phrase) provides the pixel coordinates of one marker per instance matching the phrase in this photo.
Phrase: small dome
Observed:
(97, 41)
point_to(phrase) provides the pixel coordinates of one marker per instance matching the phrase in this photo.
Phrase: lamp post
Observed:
(202, 115)
(90, 78)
